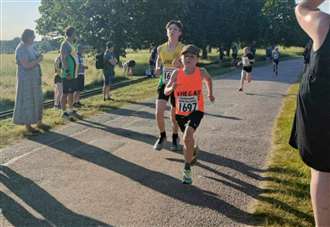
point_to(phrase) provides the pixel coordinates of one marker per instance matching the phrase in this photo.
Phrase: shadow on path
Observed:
(54, 212)
(157, 181)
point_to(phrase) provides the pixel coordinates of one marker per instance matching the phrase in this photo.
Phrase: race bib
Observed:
(188, 103)
(167, 74)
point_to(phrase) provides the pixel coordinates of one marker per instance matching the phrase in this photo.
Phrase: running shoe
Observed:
(175, 146)
(76, 115)
(187, 179)
(159, 143)
(67, 116)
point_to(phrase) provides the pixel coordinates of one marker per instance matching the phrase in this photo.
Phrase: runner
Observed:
(276, 59)
(186, 84)
(168, 59)
(247, 62)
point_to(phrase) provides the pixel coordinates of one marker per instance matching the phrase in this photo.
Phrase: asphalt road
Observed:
(102, 171)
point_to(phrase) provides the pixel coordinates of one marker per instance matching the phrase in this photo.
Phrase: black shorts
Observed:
(247, 69)
(162, 96)
(69, 86)
(80, 82)
(275, 61)
(193, 120)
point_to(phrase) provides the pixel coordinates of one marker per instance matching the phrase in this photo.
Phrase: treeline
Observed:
(139, 24)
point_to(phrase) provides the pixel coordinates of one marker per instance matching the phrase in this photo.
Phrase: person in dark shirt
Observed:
(108, 71)
(311, 127)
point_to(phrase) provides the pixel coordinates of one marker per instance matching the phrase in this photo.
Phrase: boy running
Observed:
(168, 60)
(186, 85)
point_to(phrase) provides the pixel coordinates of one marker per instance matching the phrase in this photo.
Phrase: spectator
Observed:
(311, 127)
(269, 51)
(108, 71)
(28, 103)
(81, 76)
(69, 73)
(253, 48)
(152, 61)
(58, 91)
(128, 67)
(234, 51)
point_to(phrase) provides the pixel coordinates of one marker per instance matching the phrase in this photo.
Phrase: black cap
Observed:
(192, 49)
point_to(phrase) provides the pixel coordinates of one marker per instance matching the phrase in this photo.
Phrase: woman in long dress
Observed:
(28, 103)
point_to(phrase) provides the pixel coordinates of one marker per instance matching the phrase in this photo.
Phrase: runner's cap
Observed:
(192, 49)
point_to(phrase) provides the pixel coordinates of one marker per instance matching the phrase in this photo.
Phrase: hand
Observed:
(68, 76)
(157, 71)
(211, 98)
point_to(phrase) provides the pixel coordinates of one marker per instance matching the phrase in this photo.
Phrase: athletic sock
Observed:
(187, 166)
(163, 134)
(175, 137)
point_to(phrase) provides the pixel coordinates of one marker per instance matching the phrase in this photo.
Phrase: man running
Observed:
(186, 84)
(168, 60)
(276, 59)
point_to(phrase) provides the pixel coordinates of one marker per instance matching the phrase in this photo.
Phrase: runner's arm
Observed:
(209, 84)
(171, 84)
(158, 63)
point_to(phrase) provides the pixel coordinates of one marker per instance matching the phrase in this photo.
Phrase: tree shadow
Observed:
(55, 213)
(127, 112)
(162, 183)
(202, 155)
(223, 116)
(151, 105)
(270, 95)
(17, 215)
(250, 190)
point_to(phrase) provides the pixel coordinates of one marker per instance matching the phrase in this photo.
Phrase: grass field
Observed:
(93, 76)
(285, 200)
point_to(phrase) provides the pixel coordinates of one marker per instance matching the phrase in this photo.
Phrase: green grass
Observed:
(125, 95)
(132, 93)
(93, 78)
(285, 200)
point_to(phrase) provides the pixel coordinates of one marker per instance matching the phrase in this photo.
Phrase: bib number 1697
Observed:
(187, 107)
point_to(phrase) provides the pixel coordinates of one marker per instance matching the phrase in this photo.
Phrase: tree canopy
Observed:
(140, 23)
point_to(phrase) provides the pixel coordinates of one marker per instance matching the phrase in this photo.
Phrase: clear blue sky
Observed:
(17, 15)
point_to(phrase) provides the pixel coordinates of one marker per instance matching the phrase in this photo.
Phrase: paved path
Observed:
(102, 171)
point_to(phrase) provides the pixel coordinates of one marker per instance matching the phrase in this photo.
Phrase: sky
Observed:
(17, 15)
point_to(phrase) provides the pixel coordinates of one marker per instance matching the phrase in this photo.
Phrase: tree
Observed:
(280, 25)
